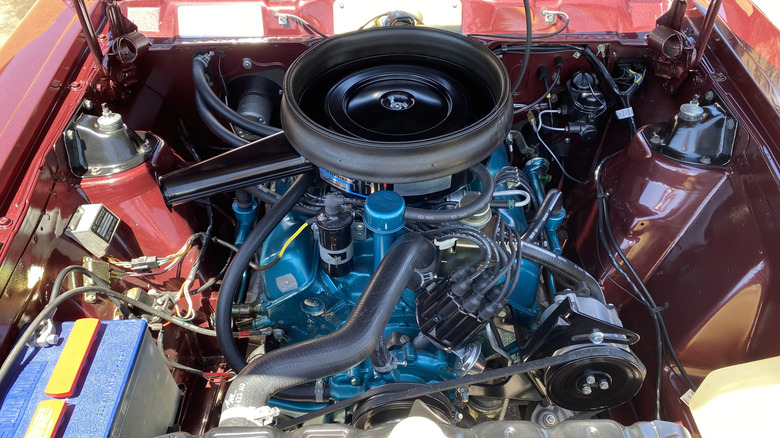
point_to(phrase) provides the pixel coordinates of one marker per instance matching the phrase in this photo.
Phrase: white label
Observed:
(286, 283)
(624, 113)
(147, 19)
(686, 398)
(222, 20)
(349, 15)
(337, 257)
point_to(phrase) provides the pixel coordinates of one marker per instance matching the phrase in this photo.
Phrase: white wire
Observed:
(542, 125)
(522, 203)
(551, 128)
(549, 111)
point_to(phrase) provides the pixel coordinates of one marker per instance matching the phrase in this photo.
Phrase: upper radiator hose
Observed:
(335, 352)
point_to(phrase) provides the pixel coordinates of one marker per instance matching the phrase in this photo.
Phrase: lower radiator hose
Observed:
(335, 352)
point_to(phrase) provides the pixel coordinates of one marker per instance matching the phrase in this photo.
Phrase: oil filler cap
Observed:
(384, 212)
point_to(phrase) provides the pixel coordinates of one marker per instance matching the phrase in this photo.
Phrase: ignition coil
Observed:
(334, 222)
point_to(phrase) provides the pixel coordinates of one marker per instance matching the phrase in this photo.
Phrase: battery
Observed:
(102, 379)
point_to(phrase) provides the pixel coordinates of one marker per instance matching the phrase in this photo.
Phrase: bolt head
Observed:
(590, 380)
(596, 337)
(586, 389)
(354, 381)
(549, 419)
(603, 384)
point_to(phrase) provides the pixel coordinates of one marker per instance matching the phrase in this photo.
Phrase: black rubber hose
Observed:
(305, 393)
(200, 78)
(271, 199)
(456, 214)
(214, 126)
(243, 199)
(245, 254)
(338, 351)
(562, 266)
(542, 214)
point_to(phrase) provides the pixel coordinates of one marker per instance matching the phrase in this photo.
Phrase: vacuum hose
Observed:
(542, 214)
(202, 88)
(333, 353)
(413, 214)
(562, 266)
(234, 274)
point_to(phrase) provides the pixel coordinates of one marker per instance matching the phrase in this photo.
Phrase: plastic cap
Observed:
(384, 212)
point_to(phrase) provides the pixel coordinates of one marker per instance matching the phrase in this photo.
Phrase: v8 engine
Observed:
(414, 255)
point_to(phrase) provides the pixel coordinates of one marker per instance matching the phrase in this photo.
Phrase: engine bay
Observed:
(389, 231)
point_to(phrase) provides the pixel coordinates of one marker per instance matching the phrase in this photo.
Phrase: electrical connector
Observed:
(144, 264)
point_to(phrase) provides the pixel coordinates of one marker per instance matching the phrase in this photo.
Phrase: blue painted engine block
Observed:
(306, 302)
(299, 297)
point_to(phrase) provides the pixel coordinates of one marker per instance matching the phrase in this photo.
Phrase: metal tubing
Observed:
(89, 33)
(706, 31)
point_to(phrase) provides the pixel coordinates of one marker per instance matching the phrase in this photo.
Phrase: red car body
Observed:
(703, 239)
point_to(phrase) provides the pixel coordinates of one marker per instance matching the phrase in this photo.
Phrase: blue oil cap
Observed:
(384, 212)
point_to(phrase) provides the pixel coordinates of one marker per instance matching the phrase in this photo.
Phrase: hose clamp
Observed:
(262, 416)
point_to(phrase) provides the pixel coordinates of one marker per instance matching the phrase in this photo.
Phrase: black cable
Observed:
(528, 39)
(200, 78)
(601, 228)
(172, 363)
(509, 36)
(213, 280)
(58, 282)
(272, 198)
(205, 239)
(518, 268)
(301, 22)
(456, 214)
(254, 266)
(638, 285)
(234, 274)
(214, 126)
(47, 310)
(543, 96)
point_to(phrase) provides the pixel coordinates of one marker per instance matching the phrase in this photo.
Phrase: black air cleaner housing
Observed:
(396, 105)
